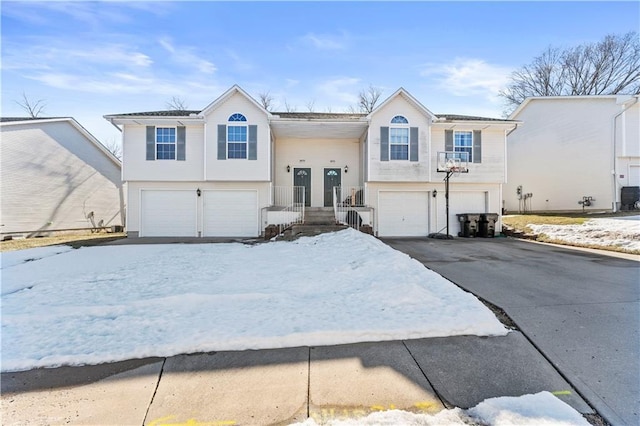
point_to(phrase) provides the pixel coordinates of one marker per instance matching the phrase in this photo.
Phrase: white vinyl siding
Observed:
(168, 213)
(230, 213)
(403, 213)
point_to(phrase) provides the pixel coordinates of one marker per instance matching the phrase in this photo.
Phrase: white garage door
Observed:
(634, 175)
(230, 214)
(403, 213)
(464, 202)
(168, 213)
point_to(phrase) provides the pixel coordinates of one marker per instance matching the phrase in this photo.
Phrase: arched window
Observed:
(399, 138)
(237, 137)
(237, 117)
(399, 119)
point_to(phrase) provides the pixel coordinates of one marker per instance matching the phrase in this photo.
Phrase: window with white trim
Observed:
(399, 138)
(165, 143)
(237, 137)
(463, 142)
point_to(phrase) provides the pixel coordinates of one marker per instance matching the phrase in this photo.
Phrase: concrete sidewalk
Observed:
(283, 386)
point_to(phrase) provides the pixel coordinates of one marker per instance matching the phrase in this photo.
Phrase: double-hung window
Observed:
(237, 137)
(165, 143)
(399, 138)
(463, 143)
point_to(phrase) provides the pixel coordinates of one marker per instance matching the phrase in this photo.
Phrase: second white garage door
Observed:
(168, 213)
(230, 214)
(403, 213)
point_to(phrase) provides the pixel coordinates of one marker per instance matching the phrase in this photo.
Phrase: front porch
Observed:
(288, 210)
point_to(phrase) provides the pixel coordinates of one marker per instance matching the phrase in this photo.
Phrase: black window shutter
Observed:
(222, 142)
(413, 144)
(253, 142)
(448, 140)
(151, 143)
(384, 144)
(181, 142)
(477, 146)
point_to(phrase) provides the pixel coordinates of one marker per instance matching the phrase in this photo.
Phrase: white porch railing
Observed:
(349, 207)
(287, 206)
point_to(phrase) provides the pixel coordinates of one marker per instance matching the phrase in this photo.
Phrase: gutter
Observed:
(110, 120)
(615, 155)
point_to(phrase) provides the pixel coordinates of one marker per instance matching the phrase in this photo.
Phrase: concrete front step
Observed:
(319, 216)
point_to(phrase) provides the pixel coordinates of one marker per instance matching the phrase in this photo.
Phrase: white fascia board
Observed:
(476, 123)
(618, 98)
(121, 120)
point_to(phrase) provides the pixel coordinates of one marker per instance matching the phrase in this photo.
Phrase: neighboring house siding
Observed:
(53, 178)
(237, 169)
(398, 170)
(137, 167)
(564, 151)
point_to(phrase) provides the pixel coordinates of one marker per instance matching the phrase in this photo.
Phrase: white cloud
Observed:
(342, 89)
(469, 77)
(185, 56)
(326, 41)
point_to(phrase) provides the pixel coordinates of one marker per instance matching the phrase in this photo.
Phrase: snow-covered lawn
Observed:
(622, 232)
(111, 303)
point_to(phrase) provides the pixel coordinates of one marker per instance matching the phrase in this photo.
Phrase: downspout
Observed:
(123, 208)
(615, 156)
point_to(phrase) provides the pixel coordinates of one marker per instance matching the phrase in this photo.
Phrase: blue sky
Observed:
(88, 59)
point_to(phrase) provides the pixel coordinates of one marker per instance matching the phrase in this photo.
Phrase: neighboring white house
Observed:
(56, 177)
(571, 147)
(225, 170)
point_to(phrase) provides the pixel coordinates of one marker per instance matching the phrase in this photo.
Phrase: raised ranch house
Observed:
(234, 168)
(574, 152)
(56, 177)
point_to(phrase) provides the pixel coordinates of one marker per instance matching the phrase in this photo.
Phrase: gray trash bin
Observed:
(487, 225)
(468, 224)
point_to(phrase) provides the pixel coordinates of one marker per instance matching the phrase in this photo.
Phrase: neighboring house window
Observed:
(165, 143)
(237, 137)
(399, 138)
(463, 142)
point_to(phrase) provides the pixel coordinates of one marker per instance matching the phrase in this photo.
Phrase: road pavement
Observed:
(580, 308)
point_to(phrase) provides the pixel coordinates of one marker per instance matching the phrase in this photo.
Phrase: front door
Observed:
(331, 178)
(302, 177)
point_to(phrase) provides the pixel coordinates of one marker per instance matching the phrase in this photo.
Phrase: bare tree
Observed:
(266, 100)
(608, 67)
(177, 104)
(311, 105)
(368, 98)
(114, 147)
(34, 109)
(288, 107)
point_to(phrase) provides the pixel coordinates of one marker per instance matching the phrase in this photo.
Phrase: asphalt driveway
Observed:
(581, 309)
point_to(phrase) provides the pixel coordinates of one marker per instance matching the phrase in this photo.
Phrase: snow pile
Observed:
(535, 410)
(111, 303)
(622, 232)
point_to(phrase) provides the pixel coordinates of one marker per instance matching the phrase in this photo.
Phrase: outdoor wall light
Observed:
(198, 192)
(435, 193)
(288, 169)
(346, 169)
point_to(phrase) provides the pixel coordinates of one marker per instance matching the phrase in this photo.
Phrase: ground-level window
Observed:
(165, 143)
(463, 143)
